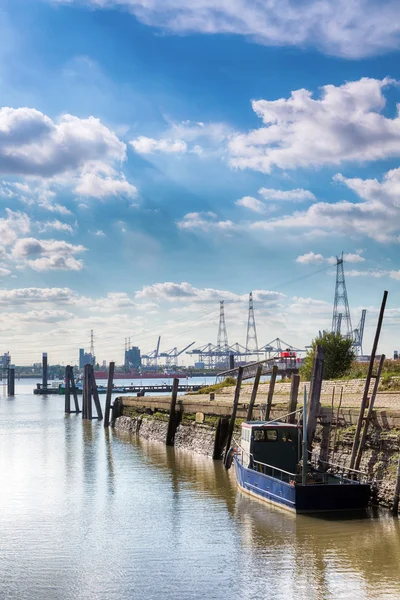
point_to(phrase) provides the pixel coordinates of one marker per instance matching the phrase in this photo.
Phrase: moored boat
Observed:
(269, 466)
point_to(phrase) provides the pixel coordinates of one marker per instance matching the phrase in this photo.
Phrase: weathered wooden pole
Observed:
(367, 383)
(107, 407)
(271, 392)
(67, 406)
(169, 441)
(337, 423)
(44, 370)
(74, 390)
(254, 393)
(11, 381)
(395, 507)
(220, 437)
(314, 404)
(86, 399)
(367, 419)
(234, 411)
(89, 406)
(95, 393)
(294, 393)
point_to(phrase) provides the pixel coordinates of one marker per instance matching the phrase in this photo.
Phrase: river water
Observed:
(90, 514)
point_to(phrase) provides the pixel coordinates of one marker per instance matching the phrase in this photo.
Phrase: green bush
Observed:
(339, 356)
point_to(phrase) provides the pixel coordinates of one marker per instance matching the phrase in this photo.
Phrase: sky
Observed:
(158, 156)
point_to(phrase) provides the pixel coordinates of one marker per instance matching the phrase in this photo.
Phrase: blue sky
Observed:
(157, 156)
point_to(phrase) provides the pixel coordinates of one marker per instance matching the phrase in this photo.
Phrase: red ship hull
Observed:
(104, 375)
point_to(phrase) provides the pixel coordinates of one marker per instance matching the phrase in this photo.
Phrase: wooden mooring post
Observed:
(44, 370)
(89, 392)
(11, 381)
(368, 418)
(254, 393)
(271, 392)
(294, 394)
(67, 404)
(233, 415)
(174, 418)
(107, 407)
(314, 405)
(221, 433)
(367, 383)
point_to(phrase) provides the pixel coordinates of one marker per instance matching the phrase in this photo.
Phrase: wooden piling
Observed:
(221, 434)
(254, 393)
(95, 393)
(369, 414)
(294, 393)
(172, 421)
(337, 423)
(74, 390)
(367, 383)
(395, 507)
(67, 404)
(11, 381)
(315, 393)
(116, 411)
(44, 370)
(86, 398)
(234, 411)
(271, 392)
(109, 394)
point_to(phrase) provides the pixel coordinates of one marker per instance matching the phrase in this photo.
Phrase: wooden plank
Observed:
(67, 404)
(294, 393)
(254, 393)
(369, 414)
(364, 401)
(314, 405)
(271, 392)
(109, 394)
(234, 410)
(172, 421)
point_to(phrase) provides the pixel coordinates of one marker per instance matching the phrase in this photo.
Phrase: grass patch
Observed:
(228, 382)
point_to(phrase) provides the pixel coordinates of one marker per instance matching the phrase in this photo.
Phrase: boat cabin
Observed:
(271, 446)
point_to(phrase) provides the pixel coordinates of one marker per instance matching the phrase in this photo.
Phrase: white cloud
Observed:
(345, 124)
(56, 225)
(184, 291)
(14, 224)
(47, 255)
(204, 221)
(314, 259)
(100, 233)
(33, 144)
(103, 182)
(310, 259)
(349, 29)
(252, 204)
(297, 195)
(4, 272)
(36, 295)
(146, 145)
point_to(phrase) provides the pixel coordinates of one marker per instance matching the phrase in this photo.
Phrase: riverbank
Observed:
(197, 432)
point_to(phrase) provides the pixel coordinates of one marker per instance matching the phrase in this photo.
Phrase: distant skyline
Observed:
(156, 158)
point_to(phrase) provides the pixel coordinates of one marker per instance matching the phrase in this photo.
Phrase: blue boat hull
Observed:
(298, 498)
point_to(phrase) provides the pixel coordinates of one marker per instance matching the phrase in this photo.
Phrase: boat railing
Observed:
(345, 473)
(282, 474)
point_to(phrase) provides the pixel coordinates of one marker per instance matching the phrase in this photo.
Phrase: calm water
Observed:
(87, 514)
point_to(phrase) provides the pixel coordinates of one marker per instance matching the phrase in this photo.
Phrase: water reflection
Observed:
(88, 514)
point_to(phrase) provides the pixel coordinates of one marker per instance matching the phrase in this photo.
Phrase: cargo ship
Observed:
(144, 375)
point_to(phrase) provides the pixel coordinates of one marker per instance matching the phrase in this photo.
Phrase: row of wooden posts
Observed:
(90, 395)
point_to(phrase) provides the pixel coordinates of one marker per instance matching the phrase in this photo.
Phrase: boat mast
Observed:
(304, 474)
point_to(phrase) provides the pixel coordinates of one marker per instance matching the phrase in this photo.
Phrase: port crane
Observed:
(151, 358)
(171, 356)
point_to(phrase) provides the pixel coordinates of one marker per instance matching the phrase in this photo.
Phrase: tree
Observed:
(339, 355)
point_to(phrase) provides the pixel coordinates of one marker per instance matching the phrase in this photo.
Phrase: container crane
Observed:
(171, 356)
(151, 357)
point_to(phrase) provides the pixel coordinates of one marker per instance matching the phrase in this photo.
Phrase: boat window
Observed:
(287, 436)
(265, 435)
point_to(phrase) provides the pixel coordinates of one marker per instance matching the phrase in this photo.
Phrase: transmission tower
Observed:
(222, 340)
(341, 310)
(251, 338)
